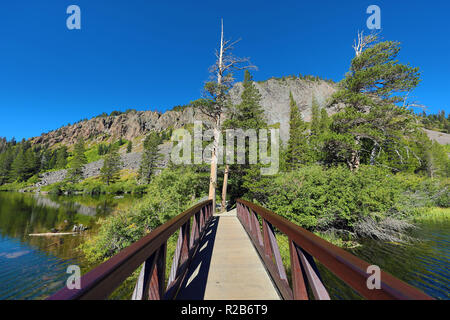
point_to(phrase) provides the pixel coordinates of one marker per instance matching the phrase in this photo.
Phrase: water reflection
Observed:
(424, 264)
(34, 267)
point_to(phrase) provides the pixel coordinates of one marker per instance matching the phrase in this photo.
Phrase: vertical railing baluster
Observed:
(202, 220)
(317, 287)
(181, 252)
(276, 252)
(298, 282)
(194, 231)
(158, 279)
(257, 228)
(142, 284)
(266, 239)
(249, 220)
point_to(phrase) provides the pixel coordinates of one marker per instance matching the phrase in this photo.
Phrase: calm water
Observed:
(35, 267)
(425, 264)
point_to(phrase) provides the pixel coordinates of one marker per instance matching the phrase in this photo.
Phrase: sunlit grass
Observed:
(434, 214)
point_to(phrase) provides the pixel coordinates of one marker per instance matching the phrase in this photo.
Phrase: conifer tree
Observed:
(249, 114)
(315, 118)
(324, 121)
(372, 119)
(61, 158)
(111, 166)
(18, 170)
(297, 144)
(75, 173)
(150, 157)
(129, 146)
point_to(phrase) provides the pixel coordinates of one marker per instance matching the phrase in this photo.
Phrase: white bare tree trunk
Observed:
(213, 175)
(224, 187)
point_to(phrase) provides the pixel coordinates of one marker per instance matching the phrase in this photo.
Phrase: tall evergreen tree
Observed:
(18, 167)
(371, 119)
(324, 124)
(111, 166)
(6, 160)
(249, 114)
(150, 157)
(75, 173)
(61, 158)
(315, 118)
(296, 153)
(129, 146)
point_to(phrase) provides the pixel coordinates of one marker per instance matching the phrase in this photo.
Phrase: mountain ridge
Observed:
(129, 125)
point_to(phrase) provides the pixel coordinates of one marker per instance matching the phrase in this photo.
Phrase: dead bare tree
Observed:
(365, 42)
(215, 98)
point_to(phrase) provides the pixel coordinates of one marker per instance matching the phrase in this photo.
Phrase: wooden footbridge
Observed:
(233, 256)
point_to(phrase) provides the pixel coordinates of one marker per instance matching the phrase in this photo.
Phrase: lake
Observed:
(35, 267)
(424, 264)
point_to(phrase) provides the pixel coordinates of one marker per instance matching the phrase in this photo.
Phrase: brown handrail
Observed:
(150, 251)
(304, 246)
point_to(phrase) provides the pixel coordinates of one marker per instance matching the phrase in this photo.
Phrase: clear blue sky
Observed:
(153, 55)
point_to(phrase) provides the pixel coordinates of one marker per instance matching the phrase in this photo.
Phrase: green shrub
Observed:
(169, 194)
(319, 199)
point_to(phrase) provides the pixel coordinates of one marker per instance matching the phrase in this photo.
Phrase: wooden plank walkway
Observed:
(227, 267)
(236, 271)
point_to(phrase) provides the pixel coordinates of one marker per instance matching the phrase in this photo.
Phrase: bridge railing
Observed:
(150, 252)
(305, 248)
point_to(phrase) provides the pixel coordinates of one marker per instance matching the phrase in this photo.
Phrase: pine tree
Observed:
(324, 124)
(371, 119)
(150, 157)
(249, 114)
(18, 166)
(111, 166)
(297, 145)
(130, 146)
(315, 118)
(61, 158)
(75, 173)
(6, 160)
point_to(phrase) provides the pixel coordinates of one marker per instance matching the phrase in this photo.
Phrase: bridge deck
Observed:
(228, 266)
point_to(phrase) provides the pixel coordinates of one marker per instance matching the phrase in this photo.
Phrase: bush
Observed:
(169, 194)
(320, 199)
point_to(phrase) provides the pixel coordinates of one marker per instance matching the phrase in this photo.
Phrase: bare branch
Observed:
(365, 42)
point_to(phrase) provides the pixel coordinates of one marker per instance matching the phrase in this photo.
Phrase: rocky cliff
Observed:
(275, 102)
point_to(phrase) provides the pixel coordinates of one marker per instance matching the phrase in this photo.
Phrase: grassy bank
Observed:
(94, 186)
(434, 214)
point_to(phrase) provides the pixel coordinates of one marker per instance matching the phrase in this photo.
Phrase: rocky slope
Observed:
(275, 102)
(275, 99)
(130, 161)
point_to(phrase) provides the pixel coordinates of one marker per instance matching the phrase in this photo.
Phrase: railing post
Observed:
(202, 219)
(298, 282)
(267, 248)
(142, 284)
(248, 220)
(181, 254)
(276, 252)
(312, 273)
(195, 232)
(157, 283)
(256, 228)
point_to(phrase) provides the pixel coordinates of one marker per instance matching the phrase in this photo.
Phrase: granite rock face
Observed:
(127, 125)
(275, 102)
(275, 99)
